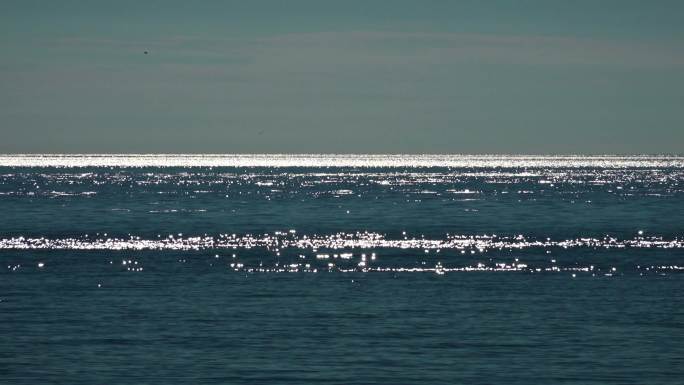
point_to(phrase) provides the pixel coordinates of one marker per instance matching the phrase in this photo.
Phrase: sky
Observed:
(371, 76)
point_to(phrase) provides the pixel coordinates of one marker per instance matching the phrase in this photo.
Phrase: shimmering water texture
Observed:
(341, 269)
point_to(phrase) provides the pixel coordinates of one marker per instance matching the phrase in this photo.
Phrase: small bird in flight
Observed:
(146, 52)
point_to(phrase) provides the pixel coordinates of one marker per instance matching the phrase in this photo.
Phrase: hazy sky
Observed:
(342, 76)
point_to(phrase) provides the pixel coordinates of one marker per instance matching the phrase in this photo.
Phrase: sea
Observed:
(341, 269)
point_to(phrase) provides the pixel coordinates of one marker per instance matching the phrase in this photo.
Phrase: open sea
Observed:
(341, 269)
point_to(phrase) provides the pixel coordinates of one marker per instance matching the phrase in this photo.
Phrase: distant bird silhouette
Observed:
(146, 52)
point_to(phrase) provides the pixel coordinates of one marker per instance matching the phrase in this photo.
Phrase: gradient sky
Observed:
(342, 76)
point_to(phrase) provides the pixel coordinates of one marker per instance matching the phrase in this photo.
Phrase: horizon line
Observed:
(484, 154)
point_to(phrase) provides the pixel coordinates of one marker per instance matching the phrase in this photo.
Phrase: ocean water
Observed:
(341, 269)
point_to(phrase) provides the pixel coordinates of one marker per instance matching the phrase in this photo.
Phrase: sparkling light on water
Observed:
(358, 252)
(334, 160)
(441, 192)
(365, 240)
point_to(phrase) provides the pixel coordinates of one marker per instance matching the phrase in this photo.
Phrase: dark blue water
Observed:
(544, 271)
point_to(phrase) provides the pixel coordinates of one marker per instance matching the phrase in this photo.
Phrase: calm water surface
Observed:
(343, 269)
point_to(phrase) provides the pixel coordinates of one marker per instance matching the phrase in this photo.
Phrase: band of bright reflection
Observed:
(359, 240)
(338, 160)
(360, 252)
